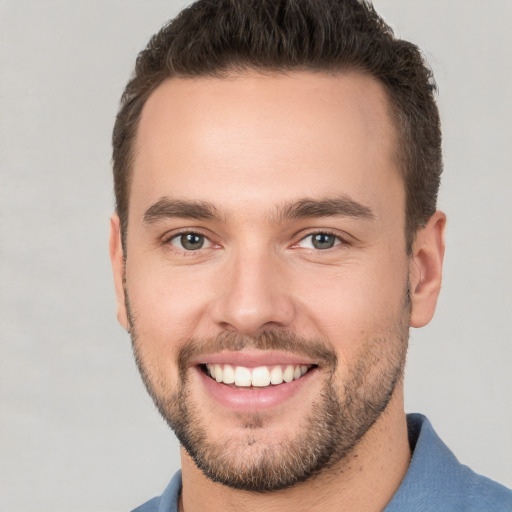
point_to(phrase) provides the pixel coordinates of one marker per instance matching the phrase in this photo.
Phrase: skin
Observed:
(247, 145)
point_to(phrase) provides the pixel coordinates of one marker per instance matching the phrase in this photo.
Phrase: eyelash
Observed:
(168, 239)
(342, 241)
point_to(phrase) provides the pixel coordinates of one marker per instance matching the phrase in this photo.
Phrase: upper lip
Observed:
(253, 358)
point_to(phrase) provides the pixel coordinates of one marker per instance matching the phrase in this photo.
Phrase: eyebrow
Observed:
(339, 206)
(167, 207)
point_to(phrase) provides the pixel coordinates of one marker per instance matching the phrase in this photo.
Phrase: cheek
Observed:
(166, 306)
(357, 302)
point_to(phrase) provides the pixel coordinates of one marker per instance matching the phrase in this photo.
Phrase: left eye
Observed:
(319, 241)
(190, 241)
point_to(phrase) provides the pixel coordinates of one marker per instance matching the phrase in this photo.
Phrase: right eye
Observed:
(190, 241)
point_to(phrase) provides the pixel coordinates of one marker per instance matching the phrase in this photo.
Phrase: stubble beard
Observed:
(338, 419)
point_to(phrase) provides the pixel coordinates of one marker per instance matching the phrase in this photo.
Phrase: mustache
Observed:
(314, 348)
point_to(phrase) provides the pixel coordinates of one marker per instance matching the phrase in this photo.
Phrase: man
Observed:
(276, 168)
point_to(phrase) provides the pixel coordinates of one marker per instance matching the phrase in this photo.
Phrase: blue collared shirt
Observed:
(435, 481)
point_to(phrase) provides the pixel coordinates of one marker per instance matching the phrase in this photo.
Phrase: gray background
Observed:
(77, 432)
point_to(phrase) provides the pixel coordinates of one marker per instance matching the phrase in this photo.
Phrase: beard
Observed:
(338, 418)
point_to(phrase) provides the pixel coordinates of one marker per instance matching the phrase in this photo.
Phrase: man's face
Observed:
(266, 246)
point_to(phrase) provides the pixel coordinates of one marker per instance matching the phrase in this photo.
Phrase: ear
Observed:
(117, 259)
(425, 270)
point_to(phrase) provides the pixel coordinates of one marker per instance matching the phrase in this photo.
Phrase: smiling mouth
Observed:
(259, 377)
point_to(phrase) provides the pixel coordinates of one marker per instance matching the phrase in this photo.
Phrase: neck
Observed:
(365, 480)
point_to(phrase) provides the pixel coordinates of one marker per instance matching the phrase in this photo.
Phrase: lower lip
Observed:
(251, 399)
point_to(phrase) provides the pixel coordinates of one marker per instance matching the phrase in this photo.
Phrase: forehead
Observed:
(259, 137)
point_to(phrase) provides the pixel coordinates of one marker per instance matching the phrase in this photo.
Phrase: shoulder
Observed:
(168, 501)
(149, 506)
(436, 480)
(484, 494)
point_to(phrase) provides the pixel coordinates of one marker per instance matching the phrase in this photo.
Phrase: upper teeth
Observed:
(260, 376)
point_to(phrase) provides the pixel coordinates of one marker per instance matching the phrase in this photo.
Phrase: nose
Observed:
(254, 295)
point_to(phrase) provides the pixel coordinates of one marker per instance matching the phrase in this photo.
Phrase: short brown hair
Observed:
(215, 37)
